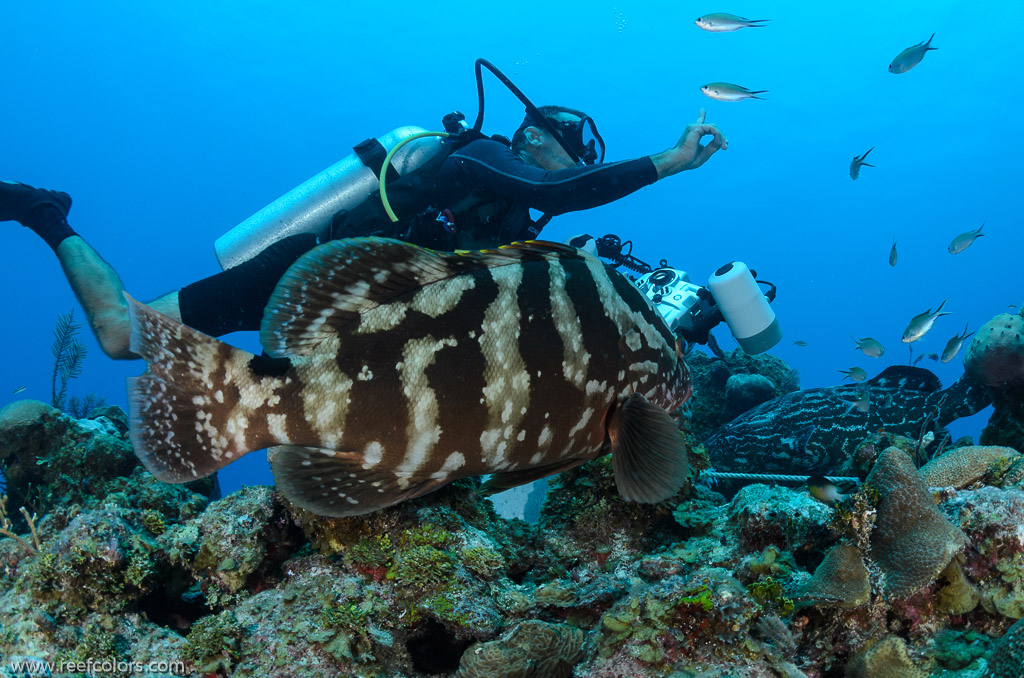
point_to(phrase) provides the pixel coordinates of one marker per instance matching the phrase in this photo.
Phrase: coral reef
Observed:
(1007, 657)
(714, 403)
(768, 583)
(995, 357)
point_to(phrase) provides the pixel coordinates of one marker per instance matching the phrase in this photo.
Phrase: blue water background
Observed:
(171, 122)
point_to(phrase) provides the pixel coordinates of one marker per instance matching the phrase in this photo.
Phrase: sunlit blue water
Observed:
(171, 122)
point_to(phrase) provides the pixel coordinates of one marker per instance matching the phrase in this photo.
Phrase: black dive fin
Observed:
(506, 480)
(335, 483)
(648, 451)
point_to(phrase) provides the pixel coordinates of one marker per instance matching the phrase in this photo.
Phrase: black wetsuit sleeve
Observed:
(495, 167)
(234, 299)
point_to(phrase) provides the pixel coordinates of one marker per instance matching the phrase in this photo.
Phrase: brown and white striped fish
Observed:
(395, 370)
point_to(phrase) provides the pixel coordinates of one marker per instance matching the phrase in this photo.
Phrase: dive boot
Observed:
(30, 206)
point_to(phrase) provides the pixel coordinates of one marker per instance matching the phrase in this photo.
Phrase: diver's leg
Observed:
(96, 285)
(100, 291)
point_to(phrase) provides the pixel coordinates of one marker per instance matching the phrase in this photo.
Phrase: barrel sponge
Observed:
(532, 648)
(885, 658)
(962, 466)
(996, 355)
(840, 581)
(912, 541)
(1008, 654)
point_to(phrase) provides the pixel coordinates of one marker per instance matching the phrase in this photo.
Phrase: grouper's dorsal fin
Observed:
(335, 283)
(907, 377)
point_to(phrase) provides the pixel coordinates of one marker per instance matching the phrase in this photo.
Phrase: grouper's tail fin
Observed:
(962, 399)
(187, 417)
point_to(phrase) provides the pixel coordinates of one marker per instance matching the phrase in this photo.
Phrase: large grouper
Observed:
(817, 431)
(392, 370)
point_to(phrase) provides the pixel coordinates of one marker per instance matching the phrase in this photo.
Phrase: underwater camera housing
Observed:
(732, 294)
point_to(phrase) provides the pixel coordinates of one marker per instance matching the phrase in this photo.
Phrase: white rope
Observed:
(719, 475)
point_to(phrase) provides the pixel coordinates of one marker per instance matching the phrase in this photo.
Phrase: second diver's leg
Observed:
(94, 282)
(100, 291)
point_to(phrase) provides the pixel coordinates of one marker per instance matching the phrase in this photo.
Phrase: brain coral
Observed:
(962, 466)
(996, 355)
(840, 581)
(912, 541)
(534, 649)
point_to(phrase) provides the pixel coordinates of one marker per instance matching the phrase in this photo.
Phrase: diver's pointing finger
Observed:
(700, 117)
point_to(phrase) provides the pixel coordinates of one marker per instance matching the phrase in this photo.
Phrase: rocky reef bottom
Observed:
(107, 571)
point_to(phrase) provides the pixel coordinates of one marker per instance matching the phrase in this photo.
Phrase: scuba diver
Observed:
(476, 193)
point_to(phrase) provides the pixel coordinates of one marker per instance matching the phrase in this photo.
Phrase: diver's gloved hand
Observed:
(39, 209)
(583, 242)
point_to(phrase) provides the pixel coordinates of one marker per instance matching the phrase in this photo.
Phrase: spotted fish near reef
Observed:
(816, 431)
(395, 370)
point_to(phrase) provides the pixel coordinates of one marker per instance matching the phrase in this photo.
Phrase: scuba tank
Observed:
(310, 206)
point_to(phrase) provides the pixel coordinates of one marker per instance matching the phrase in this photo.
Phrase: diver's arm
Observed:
(689, 153)
(495, 167)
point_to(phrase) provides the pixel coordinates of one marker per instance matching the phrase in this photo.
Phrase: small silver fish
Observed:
(855, 373)
(964, 240)
(724, 91)
(892, 253)
(19, 389)
(954, 345)
(870, 347)
(724, 23)
(911, 56)
(800, 343)
(934, 357)
(858, 162)
(921, 323)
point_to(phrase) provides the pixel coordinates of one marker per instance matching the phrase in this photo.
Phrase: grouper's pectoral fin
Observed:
(335, 483)
(506, 480)
(648, 451)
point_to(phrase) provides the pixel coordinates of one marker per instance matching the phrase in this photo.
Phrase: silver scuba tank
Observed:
(310, 206)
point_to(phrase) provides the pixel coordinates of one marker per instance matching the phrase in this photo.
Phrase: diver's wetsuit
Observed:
(234, 299)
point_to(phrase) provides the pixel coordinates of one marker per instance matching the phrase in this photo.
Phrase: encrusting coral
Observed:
(841, 580)
(530, 650)
(884, 658)
(961, 466)
(912, 541)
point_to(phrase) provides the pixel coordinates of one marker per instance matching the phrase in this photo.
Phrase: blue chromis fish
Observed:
(800, 342)
(855, 373)
(870, 347)
(858, 162)
(393, 370)
(921, 323)
(964, 240)
(954, 345)
(724, 91)
(911, 56)
(723, 23)
(861, 402)
(892, 253)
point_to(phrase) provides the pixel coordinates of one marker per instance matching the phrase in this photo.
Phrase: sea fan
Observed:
(68, 356)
